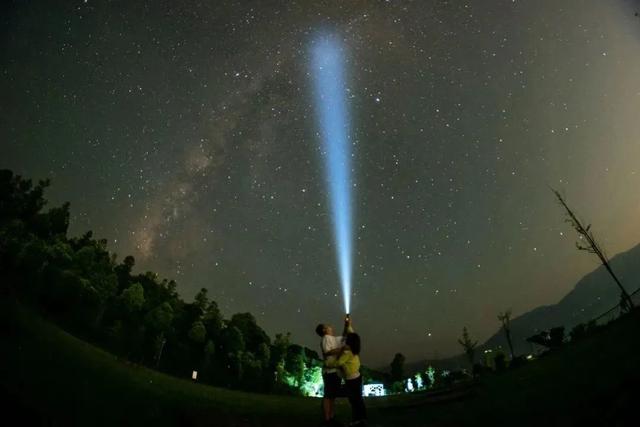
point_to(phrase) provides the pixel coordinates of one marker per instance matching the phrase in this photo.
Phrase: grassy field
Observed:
(51, 378)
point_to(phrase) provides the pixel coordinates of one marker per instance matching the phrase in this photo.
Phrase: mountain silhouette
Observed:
(592, 296)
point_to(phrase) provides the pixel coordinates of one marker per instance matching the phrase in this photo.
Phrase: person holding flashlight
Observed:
(331, 347)
(349, 364)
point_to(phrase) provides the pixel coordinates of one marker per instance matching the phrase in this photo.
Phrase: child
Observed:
(349, 363)
(331, 347)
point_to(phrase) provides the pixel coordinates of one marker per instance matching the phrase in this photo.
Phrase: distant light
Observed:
(419, 382)
(194, 375)
(409, 388)
(530, 356)
(373, 390)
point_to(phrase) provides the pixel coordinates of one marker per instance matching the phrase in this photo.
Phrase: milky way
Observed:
(185, 134)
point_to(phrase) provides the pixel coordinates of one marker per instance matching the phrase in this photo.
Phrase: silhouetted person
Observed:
(349, 363)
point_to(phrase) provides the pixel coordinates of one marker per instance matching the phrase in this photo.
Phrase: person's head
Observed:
(323, 329)
(353, 341)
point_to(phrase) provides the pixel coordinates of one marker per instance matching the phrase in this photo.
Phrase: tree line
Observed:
(79, 284)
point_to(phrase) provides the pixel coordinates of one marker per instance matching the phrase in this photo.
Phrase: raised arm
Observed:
(347, 326)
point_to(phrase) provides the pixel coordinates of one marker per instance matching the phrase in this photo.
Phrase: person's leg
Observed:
(341, 391)
(362, 411)
(358, 411)
(331, 386)
(327, 408)
(332, 408)
(349, 387)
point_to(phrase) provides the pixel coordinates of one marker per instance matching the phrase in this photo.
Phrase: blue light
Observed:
(328, 75)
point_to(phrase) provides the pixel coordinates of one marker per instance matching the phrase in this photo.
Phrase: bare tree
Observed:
(592, 246)
(397, 367)
(468, 345)
(505, 319)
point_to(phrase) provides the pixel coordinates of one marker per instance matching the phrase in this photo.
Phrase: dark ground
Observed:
(51, 378)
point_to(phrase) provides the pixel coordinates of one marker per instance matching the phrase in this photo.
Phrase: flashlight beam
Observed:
(330, 106)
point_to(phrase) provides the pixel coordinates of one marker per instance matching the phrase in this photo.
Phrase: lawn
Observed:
(52, 378)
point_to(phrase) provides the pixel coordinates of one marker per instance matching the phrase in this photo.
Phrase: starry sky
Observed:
(184, 132)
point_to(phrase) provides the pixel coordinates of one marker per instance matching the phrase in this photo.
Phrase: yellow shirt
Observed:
(348, 362)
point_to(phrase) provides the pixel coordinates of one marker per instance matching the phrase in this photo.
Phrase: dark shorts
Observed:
(332, 385)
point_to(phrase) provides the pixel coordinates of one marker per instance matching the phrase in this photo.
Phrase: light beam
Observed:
(330, 107)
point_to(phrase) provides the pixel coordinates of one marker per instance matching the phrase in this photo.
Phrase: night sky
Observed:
(185, 133)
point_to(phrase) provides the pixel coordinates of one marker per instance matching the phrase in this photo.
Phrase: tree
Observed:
(505, 319)
(212, 320)
(123, 271)
(209, 351)
(96, 266)
(31, 259)
(253, 334)
(201, 300)
(264, 355)
(207, 359)
(126, 316)
(592, 246)
(53, 223)
(197, 333)
(418, 380)
(397, 367)
(133, 297)
(278, 353)
(159, 321)
(431, 376)
(312, 380)
(250, 375)
(280, 346)
(233, 341)
(19, 199)
(295, 363)
(468, 345)
(172, 287)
